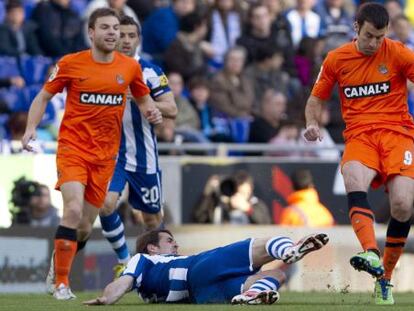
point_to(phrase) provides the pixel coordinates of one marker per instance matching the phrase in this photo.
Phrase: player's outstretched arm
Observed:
(36, 112)
(148, 108)
(113, 291)
(166, 104)
(313, 111)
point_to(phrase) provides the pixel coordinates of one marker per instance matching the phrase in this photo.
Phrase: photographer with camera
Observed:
(32, 205)
(231, 200)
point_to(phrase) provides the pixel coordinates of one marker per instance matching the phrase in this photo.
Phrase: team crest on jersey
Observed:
(383, 69)
(120, 79)
(54, 73)
(366, 90)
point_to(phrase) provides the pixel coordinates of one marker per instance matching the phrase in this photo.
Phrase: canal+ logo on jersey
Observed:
(101, 99)
(366, 90)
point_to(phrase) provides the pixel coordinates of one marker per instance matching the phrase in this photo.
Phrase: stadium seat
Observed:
(240, 129)
(29, 5)
(8, 67)
(35, 68)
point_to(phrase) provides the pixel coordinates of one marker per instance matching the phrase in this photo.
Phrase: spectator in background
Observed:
(17, 37)
(303, 21)
(161, 27)
(287, 138)
(232, 93)
(187, 53)
(225, 26)
(280, 25)
(59, 28)
(403, 31)
(265, 73)
(119, 6)
(337, 24)
(231, 200)
(32, 205)
(187, 122)
(199, 98)
(304, 207)
(16, 81)
(394, 8)
(265, 125)
(259, 33)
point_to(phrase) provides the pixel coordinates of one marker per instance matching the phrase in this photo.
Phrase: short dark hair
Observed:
(302, 179)
(128, 20)
(241, 177)
(191, 21)
(374, 13)
(101, 12)
(14, 4)
(149, 237)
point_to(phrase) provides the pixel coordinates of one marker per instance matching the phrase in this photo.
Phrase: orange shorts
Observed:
(95, 177)
(389, 153)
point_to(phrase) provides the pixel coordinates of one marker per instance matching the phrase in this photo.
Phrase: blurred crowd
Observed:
(240, 70)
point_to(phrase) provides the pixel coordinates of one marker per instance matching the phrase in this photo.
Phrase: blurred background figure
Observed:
(17, 35)
(403, 31)
(304, 207)
(225, 23)
(188, 52)
(31, 205)
(231, 200)
(161, 27)
(59, 28)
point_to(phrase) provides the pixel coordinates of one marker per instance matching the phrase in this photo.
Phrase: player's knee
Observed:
(152, 221)
(401, 209)
(107, 209)
(71, 216)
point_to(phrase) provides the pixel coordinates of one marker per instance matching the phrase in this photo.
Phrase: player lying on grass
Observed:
(221, 275)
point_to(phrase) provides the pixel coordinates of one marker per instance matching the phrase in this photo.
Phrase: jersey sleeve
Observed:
(156, 80)
(137, 85)
(59, 77)
(135, 269)
(326, 79)
(406, 58)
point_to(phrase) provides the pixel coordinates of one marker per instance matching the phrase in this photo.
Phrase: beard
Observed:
(102, 46)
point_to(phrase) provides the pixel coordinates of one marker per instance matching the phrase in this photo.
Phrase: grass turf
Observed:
(289, 301)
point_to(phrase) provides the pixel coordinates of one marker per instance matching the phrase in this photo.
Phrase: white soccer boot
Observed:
(51, 276)
(266, 297)
(305, 246)
(63, 292)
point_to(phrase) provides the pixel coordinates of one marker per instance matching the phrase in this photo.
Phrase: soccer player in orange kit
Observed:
(97, 83)
(372, 73)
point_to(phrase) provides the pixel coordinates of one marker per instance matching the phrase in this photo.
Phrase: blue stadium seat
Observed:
(8, 67)
(34, 68)
(29, 5)
(30, 93)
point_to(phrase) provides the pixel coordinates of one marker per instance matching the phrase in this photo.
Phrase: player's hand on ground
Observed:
(95, 302)
(29, 135)
(312, 133)
(154, 116)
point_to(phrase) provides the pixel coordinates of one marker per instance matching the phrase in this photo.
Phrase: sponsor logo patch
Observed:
(101, 99)
(366, 90)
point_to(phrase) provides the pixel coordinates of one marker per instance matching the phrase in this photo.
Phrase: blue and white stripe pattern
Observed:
(277, 246)
(113, 231)
(160, 278)
(137, 134)
(265, 284)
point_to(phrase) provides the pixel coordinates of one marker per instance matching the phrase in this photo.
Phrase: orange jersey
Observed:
(96, 95)
(373, 89)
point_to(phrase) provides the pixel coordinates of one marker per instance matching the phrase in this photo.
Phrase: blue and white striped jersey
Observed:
(160, 278)
(138, 149)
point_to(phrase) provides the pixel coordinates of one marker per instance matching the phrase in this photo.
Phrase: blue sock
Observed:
(277, 246)
(113, 231)
(267, 283)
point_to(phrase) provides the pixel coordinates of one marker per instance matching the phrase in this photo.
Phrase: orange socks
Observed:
(65, 251)
(397, 234)
(362, 220)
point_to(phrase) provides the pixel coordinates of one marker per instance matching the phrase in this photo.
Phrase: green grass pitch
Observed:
(289, 301)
